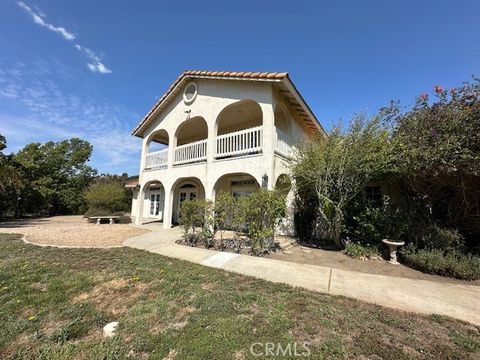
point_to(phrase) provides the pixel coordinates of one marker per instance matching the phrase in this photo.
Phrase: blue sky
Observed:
(93, 68)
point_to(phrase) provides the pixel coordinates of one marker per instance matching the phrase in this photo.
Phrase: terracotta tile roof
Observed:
(240, 75)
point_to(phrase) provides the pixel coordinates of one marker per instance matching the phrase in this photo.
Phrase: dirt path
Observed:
(70, 231)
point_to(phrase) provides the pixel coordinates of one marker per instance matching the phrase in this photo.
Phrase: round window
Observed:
(190, 93)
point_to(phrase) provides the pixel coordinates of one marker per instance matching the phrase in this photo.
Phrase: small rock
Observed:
(306, 251)
(110, 329)
(287, 252)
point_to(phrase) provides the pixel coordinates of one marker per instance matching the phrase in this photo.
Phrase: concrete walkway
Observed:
(421, 296)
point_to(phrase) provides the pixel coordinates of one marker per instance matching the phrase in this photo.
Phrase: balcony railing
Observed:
(243, 142)
(156, 160)
(190, 153)
(283, 144)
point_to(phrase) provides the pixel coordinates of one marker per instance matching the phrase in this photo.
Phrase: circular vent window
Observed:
(190, 93)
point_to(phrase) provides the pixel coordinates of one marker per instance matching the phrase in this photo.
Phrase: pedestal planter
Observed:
(393, 247)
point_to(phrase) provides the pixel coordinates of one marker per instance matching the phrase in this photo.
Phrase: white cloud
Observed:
(94, 64)
(38, 19)
(41, 110)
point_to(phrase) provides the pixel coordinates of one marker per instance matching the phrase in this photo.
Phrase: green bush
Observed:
(263, 210)
(452, 263)
(360, 251)
(195, 214)
(106, 196)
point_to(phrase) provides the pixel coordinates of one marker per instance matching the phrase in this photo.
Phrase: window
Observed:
(374, 193)
(190, 93)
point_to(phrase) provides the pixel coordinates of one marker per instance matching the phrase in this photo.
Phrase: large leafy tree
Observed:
(336, 169)
(437, 144)
(10, 180)
(54, 176)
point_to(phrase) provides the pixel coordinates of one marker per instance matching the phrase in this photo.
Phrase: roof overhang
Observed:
(282, 82)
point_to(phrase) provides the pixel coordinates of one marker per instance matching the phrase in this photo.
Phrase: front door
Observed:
(185, 195)
(156, 205)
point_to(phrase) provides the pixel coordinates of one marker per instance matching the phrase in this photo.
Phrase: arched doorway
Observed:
(237, 184)
(185, 189)
(153, 202)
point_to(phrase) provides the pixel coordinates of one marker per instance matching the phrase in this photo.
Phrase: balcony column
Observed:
(172, 144)
(268, 143)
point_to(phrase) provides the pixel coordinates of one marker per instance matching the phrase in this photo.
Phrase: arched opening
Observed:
(153, 197)
(281, 118)
(283, 141)
(238, 129)
(283, 184)
(191, 141)
(157, 150)
(185, 189)
(236, 184)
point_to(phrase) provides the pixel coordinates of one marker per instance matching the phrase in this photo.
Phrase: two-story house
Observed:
(213, 132)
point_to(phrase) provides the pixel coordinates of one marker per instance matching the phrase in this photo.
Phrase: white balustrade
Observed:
(282, 145)
(189, 153)
(156, 160)
(243, 142)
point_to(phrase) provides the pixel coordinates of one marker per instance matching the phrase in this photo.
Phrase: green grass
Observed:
(54, 303)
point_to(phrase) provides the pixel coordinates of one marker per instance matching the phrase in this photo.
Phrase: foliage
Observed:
(53, 176)
(10, 181)
(263, 210)
(224, 213)
(195, 214)
(105, 196)
(336, 169)
(437, 144)
(362, 251)
(447, 263)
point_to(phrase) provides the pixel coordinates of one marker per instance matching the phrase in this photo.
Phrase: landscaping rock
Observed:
(110, 330)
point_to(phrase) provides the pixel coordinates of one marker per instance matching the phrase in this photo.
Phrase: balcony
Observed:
(156, 160)
(239, 143)
(283, 143)
(191, 153)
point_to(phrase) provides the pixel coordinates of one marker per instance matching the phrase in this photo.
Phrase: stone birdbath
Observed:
(393, 247)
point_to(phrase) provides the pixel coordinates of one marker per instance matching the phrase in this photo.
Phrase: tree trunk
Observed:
(337, 230)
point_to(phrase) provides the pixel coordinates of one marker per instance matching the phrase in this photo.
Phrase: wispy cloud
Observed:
(39, 19)
(94, 64)
(36, 108)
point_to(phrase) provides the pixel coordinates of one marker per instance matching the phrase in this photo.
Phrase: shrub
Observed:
(195, 214)
(436, 237)
(360, 251)
(263, 210)
(452, 263)
(106, 196)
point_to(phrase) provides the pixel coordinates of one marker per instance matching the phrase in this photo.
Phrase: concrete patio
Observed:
(428, 297)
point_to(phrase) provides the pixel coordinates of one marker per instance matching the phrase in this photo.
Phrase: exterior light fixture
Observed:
(265, 181)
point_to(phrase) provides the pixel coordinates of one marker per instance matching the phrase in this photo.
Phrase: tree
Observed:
(54, 175)
(336, 169)
(10, 181)
(437, 144)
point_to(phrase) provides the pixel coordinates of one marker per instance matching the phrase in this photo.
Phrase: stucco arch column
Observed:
(268, 141)
(172, 144)
(168, 206)
(140, 204)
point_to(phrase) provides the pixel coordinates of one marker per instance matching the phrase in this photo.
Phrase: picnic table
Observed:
(100, 218)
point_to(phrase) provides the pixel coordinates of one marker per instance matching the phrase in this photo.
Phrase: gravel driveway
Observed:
(70, 231)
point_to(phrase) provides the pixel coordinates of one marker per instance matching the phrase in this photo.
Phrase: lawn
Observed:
(54, 303)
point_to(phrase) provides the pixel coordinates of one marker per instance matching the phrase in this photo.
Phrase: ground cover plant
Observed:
(56, 301)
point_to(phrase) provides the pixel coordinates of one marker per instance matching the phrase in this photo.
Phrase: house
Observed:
(215, 131)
